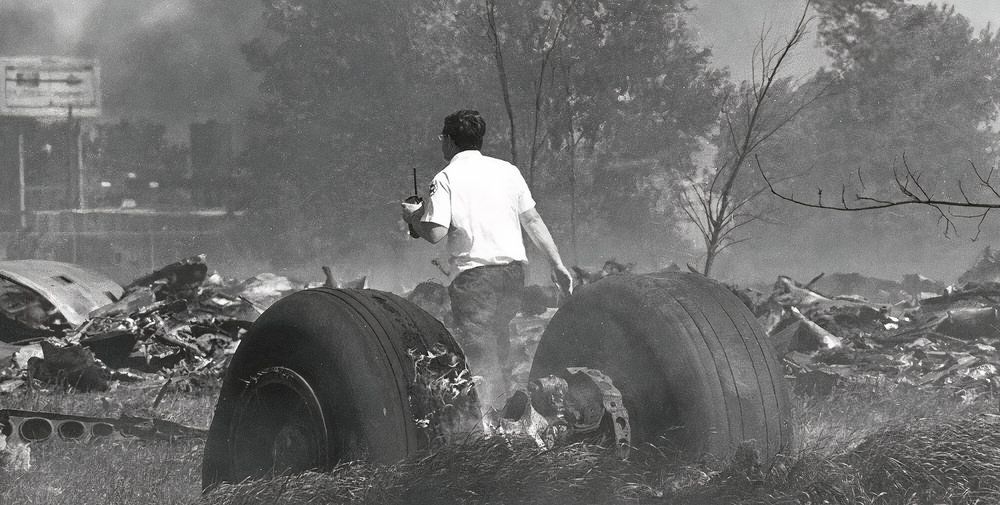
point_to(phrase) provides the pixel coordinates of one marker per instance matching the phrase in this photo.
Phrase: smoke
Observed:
(28, 28)
(178, 61)
(886, 244)
(172, 61)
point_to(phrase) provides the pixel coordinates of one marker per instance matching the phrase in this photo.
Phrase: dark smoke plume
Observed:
(173, 61)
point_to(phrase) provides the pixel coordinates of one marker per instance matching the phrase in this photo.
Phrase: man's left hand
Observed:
(563, 279)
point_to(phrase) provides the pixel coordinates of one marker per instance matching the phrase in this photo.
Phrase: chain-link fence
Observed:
(123, 245)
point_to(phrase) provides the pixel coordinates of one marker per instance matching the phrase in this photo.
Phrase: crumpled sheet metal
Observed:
(950, 343)
(175, 320)
(71, 289)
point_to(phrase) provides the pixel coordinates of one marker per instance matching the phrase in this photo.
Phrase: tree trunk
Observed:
(502, 72)
(572, 195)
(709, 261)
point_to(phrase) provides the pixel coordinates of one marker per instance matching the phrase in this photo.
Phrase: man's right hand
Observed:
(411, 211)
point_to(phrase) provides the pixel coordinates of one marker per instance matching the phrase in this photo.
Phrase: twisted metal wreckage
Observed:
(669, 357)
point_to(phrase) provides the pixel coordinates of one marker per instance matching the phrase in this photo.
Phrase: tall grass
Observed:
(880, 447)
(112, 472)
(856, 447)
(859, 447)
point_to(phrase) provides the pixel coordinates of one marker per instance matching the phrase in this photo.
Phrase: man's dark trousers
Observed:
(484, 300)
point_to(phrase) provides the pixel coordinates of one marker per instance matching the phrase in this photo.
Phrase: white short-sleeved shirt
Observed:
(480, 200)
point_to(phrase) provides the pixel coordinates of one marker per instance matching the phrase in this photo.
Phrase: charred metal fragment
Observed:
(25, 426)
(579, 404)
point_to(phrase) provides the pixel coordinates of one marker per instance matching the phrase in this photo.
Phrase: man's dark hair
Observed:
(465, 128)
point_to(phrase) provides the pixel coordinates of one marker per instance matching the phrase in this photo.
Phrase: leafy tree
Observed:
(613, 97)
(345, 108)
(915, 76)
(912, 82)
(652, 100)
(607, 103)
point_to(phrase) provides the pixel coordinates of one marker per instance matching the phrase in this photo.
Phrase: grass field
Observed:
(902, 446)
(113, 472)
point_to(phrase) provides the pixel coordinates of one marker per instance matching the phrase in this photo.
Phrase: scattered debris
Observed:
(50, 295)
(14, 457)
(26, 427)
(331, 282)
(181, 324)
(442, 396)
(179, 280)
(796, 333)
(71, 366)
(923, 340)
(76, 330)
(985, 270)
(611, 267)
(264, 289)
(581, 404)
(433, 297)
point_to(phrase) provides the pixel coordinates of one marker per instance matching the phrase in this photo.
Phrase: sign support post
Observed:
(22, 208)
(48, 87)
(81, 182)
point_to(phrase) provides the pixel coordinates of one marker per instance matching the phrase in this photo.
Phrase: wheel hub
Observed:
(279, 426)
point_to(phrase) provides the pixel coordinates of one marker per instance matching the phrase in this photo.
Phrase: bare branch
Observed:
(945, 208)
(745, 201)
(985, 181)
(705, 202)
(746, 219)
(695, 219)
(979, 226)
(961, 190)
(730, 243)
(916, 179)
(788, 118)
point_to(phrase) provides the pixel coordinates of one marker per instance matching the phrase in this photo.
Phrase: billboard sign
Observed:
(49, 87)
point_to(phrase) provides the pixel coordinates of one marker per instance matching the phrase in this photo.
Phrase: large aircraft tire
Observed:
(695, 369)
(323, 376)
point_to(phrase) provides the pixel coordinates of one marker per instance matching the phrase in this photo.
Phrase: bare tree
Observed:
(909, 189)
(712, 202)
(551, 38)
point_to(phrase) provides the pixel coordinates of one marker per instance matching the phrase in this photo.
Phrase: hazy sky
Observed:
(178, 60)
(731, 27)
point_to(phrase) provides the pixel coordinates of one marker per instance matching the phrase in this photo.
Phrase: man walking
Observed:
(481, 204)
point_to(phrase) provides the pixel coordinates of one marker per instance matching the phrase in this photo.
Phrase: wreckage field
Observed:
(853, 446)
(893, 398)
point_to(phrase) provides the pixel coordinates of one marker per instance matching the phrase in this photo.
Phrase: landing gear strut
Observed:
(578, 404)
